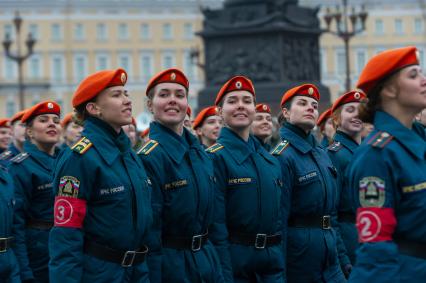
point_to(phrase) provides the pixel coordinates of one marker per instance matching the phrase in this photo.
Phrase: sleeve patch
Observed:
(335, 146)
(68, 186)
(214, 148)
(148, 147)
(380, 139)
(20, 157)
(69, 212)
(375, 224)
(82, 145)
(372, 192)
(280, 147)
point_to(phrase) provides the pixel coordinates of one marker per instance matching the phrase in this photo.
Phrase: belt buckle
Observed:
(260, 242)
(326, 223)
(128, 258)
(196, 243)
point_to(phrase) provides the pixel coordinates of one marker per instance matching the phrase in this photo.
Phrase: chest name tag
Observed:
(307, 177)
(175, 184)
(44, 187)
(111, 191)
(239, 181)
(414, 188)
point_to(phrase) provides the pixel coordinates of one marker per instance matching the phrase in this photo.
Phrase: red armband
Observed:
(69, 212)
(375, 224)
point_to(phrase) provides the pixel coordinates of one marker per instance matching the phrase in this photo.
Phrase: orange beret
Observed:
(235, 83)
(44, 107)
(172, 75)
(324, 116)
(189, 111)
(97, 82)
(352, 96)
(385, 64)
(67, 119)
(309, 90)
(203, 115)
(4, 123)
(17, 116)
(144, 133)
(263, 108)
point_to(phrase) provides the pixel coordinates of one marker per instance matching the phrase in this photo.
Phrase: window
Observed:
(167, 60)
(188, 66)
(123, 31)
(101, 32)
(10, 108)
(57, 68)
(102, 62)
(10, 69)
(379, 27)
(147, 69)
(9, 31)
(167, 31)
(421, 58)
(188, 31)
(145, 31)
(124, 61)
(33, 29)
(34, 65)
(56, 32)
(399, 28)
(80, 67)
(360, 61)
(341, 65)
(418, 26)
(79, 31)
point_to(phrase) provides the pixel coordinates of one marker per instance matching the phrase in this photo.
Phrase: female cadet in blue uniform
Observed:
(9, 268)
(102, 206)
(262, 125)
(247, 232)
(346, 140)
(32, 171)
(388, 172)
(326, 127)
(207, 126)
(183, 188)
(310, 179)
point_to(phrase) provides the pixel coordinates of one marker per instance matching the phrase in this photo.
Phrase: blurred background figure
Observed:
(366, 130)
(71, 131)
(131, 132)
(187, 123)
(262, 125)
(421, 119)
(207, 126)
(327, 130)
(144, 135)
(5, 134)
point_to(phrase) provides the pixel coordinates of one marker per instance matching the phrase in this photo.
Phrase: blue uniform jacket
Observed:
(388, 173)
(32, 172)
(341, 153)
(8, 154)
(183, 205)
(248, 201)
(310, 178)
(9, 268)
(104, 176)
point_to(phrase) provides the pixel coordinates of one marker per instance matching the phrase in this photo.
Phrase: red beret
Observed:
(324, 116)
(189, 111)
(45, 107)
(235, 83)
(144, 133)
(67, 119)
(385, 64)
(4, 123)
(172, 75)
(263, 108)
(309, 90)
(352, 96)
(17, 116)
(206, 112)
(97, 82)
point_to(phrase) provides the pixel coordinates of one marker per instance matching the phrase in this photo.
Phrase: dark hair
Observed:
(370, 105)
(80, 112)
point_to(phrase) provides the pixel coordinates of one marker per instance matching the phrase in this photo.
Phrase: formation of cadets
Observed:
(212, 201)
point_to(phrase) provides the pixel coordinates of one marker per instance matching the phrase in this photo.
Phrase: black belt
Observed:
(348, 217)
(194, 243)
(259, 241)
(5, 244)
(124, 258)
(411, 248)
(39, 224)
(310, 221)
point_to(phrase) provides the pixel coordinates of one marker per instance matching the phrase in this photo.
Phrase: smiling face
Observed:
(238, 109)
(44, 129)
(168, 105)
(348, 120)
(5, 137)
(209, 131)
(303, 112)
(262, 125)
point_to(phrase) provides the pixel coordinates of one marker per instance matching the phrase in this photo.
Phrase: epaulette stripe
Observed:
(78, 143)
(387, 141)
(148, 147)
(214, 148)
(86, 148)
(373, 138)
(152, 148)
(280, 148)
(82, 145)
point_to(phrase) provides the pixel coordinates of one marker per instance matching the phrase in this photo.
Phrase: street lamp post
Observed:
(18, 57)
(345, 32)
